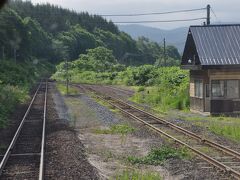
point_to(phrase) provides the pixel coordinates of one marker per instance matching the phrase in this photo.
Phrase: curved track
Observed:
(24, 158)
(217, 155)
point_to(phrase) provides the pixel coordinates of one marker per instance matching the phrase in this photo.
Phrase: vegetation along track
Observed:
(24, 158)
(219, 156)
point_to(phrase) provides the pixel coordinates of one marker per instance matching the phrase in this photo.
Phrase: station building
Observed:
(212, 54)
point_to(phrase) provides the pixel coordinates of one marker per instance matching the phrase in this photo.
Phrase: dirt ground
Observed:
(108, 153)
(76, 150)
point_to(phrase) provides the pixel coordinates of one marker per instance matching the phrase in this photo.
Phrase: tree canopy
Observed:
(50, 32)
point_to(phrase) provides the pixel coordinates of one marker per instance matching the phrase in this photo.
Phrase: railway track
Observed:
(214, 154)
(24, 158)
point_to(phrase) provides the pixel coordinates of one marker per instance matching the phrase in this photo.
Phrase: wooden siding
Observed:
(224, 74)
(224, 105)
(197, 104)
(192, 88)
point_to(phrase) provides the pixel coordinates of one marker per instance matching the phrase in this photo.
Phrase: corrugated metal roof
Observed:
(217, 44)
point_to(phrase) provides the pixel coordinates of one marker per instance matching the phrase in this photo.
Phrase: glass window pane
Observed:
(198, 88)
(218, 88)
(232, 89)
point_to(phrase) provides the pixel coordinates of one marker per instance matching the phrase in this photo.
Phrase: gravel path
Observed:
(183, 169)
(103, 113)
(65, 154)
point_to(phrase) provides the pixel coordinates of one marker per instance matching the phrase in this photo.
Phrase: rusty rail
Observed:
(19, 129)
(113, 102)
(41, 168)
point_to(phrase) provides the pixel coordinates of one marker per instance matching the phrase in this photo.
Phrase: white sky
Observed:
(225, 10)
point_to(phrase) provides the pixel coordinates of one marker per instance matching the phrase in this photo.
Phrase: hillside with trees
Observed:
(49, 32)
(35, 36)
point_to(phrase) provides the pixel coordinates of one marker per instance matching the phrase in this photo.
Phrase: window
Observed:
(232, 89)
(218, 88)
(225, 88)
(198, 88)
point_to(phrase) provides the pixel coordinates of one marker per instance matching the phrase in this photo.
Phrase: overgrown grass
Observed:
(10, 96)
(122, 129)
(162, 99)
(158, 155)
(63, 89)
(228, 127)
(163, 88)
(137, 175)
(15, 82)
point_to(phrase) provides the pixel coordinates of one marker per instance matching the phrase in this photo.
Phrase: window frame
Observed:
(225, 89)
(224, 86)
(201, 96)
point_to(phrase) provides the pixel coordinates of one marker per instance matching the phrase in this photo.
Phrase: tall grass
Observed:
(163, 88)
(15, 82)
(63, 89)
(228, 127)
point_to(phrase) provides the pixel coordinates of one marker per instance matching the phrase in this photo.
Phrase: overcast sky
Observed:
(225, 10)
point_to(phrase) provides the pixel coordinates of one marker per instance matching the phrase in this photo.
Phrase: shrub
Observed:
(158, 155)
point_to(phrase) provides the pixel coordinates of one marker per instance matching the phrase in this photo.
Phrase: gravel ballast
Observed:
(65, 154)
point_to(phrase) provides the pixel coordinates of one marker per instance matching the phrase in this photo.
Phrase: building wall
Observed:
(215, 105)
(225, 105)
(197, 103)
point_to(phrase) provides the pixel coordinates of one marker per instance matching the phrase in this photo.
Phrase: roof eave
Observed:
(191, 67)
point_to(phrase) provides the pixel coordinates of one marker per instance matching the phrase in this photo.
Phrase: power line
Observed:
(160, 21)
(154, 13)
(215, 15)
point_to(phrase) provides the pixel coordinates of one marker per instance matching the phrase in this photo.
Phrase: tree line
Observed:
(45, 31)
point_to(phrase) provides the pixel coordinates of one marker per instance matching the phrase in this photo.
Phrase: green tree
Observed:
(77, 41)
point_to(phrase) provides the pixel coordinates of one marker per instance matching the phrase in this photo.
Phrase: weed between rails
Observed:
(158, 155)
(122, 129)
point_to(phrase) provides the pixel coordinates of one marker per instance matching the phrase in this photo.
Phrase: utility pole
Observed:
(164, 52)
(208, 14)
(67, 78)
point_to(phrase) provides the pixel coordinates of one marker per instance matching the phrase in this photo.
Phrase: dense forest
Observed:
(33, 37)
(45, 31)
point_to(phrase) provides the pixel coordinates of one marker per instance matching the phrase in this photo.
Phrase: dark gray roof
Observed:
(217, 44)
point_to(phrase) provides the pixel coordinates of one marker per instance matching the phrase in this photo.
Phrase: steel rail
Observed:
(12, 144)
(178, 128)
(207, 158)
(41, 168)
(189, 133)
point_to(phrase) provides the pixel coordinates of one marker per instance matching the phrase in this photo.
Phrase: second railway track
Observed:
(24, 158)
(217, 155)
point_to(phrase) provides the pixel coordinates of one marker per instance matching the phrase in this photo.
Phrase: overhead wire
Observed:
(158, 21)
(153, 13)
(215, 15)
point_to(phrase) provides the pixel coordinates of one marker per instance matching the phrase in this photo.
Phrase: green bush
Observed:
(15, 82)
(163, 88)
(10, 96)
(158, 155)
